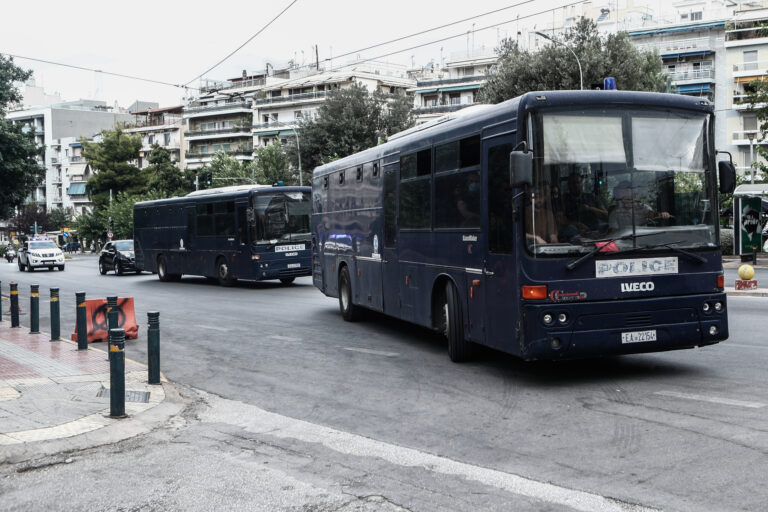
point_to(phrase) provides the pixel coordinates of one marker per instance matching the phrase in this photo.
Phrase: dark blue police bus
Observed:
(228, 233)
(553, 225)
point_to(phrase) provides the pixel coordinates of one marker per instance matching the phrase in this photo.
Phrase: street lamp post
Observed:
(751, 137)
(581, 77)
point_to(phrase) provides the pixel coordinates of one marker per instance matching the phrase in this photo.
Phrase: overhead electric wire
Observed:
(81, 68)
(453, 36)
(262, 29)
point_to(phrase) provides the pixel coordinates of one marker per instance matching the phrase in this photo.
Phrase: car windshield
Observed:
(281, 217)
(124, 245)
(35, 246)
(606, 173)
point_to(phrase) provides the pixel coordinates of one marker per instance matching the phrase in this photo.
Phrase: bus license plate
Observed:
(294, 265)
(638, 337)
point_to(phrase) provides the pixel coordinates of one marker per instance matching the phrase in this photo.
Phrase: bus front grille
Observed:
(638, 320)
(293, 272)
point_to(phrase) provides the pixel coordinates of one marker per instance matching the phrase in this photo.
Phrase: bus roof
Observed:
(486, 115)
(223, 193)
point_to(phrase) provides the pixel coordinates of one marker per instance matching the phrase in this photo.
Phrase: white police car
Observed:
(39, 253)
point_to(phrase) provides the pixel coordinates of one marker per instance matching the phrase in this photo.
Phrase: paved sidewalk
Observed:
(52, 391)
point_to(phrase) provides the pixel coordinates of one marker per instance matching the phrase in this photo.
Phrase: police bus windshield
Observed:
(281, 217)
(606, 173)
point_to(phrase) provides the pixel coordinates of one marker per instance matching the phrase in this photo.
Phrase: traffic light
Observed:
(111, 225)
(207, 178)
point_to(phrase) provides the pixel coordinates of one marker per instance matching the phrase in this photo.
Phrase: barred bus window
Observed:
(457, 200)
(416, 164)
(415, 204)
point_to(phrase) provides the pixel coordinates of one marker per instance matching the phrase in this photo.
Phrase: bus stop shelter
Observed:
(750, 204)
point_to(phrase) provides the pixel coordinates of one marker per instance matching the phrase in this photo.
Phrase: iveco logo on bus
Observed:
(647, 286)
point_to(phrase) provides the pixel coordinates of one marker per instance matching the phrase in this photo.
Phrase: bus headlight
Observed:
(705, 307)
(713, 330)
(548, 319)
(562, 318)
(718, 306)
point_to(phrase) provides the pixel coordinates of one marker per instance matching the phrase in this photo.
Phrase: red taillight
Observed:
(535, 292)
(721, 281)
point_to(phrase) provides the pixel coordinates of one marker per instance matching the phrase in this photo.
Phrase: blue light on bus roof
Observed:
(609, 84)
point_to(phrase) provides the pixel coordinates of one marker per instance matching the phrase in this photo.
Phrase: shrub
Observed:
(726, 240)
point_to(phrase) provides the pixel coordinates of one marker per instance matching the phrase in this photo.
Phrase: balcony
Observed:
(235, 106)
(307, 96)
(748, 71)
(680, 47)
(243, 152)
(236, 131)
(741, 138)
(746, 32)
(742, 102)
(75, 159)
(694, 75)
(449, 81)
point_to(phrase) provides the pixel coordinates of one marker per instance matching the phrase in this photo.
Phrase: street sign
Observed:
(65, 234)
(110, 234)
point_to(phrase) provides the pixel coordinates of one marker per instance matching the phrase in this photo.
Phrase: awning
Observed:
(747, 79)
(76, 145)
(265, 134)
(76, 189)
(425, 91)
(78, 169)
(677, 55)
(468, 87)
(286, 133)
(693, 88)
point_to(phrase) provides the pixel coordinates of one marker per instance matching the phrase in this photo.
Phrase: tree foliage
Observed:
(93, 226)
(164, 176)
(58, 218)
(553, 67)
(20, 171)
(29, 214)
(348, 121)
(227, 170)
(757, 97)
(272, 166)
(111, 159)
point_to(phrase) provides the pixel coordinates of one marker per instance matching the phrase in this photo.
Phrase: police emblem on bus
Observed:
(647, 286)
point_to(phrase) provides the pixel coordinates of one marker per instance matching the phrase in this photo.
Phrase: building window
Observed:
(151, 139)
(750, 123)
(167, 138)
(696, 16)
(430, 101)
(297, 114)
(684, 17)
(203, 148)
(750, 60)
(455, 99)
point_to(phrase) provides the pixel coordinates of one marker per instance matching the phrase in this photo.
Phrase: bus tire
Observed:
(459, 348)
(349, 311)
(223, 273)
(162, 270)
(287, 280)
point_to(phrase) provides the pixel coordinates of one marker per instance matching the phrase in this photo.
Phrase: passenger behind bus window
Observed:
(626, 206)
(541, 217)
(468, 201)
(583, 212)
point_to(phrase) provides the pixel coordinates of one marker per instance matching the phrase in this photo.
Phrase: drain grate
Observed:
(130, 396)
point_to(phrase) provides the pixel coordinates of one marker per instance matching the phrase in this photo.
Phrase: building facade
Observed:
(161, 127)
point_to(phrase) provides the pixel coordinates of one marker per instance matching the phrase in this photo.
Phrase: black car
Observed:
(117, 255)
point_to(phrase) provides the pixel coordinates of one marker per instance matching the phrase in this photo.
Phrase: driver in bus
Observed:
(542, 216)
(621, 217)
(584, 212)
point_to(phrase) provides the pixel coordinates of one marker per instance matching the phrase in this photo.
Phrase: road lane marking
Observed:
(711, 399)
(282, 338)
(369, 351)
(742, 345)
(263, 422)
(213, 327)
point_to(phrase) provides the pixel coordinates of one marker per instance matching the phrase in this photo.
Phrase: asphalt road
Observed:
(683, 430)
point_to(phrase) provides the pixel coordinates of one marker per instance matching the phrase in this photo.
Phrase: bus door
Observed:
(189, 255)
(500, 273)
(390, 272)
(243, 264)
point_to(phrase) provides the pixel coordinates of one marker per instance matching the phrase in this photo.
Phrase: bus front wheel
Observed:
(349, 311)
(459, 348)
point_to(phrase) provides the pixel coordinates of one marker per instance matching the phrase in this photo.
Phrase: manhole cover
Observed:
(130, 396)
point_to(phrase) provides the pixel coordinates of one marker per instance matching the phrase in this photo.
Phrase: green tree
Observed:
(553, 67)
(111, 159)
(272, 165)
(59, 218)
(227, 171)
(29, 214)
(91, 226)
(164, 176)
(121, 211)
(348, 121)
(757, 96)
(20, 172)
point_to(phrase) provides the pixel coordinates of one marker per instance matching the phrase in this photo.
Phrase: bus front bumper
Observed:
(623, 327)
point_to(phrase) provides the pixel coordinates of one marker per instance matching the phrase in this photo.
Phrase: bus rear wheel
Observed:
(459, 348)
(223, 274)
(162, 271)
(349, 311)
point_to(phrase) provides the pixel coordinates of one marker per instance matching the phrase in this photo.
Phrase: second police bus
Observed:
(553, 225)
(228, 233)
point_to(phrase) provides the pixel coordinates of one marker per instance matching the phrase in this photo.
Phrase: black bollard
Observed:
(1, 301)
(112, 319)
(81, 325)
(14, 304)
(34, 309)
(55, 316)
(153, 347)
(117, 373)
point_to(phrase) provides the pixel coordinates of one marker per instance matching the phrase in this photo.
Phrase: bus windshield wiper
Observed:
(604, 242)
(670, 245)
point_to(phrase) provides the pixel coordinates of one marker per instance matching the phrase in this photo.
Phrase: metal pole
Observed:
(1, 301)
(81, 323)
(581, 76)
(14, 304)
(55, 316)
(34, 309)
(298, 154)
(751, 160)
(117, 373)
(153, 347)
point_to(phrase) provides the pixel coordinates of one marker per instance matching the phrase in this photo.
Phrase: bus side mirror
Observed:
(726, 174)
(520, 168)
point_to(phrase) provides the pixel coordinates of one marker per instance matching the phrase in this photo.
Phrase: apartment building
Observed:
(82, 118)
(280, 105)
(162, 127)
(452, 85)
(220, 119)
(68, 176)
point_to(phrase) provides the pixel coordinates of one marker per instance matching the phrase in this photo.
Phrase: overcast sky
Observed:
(175, 41)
